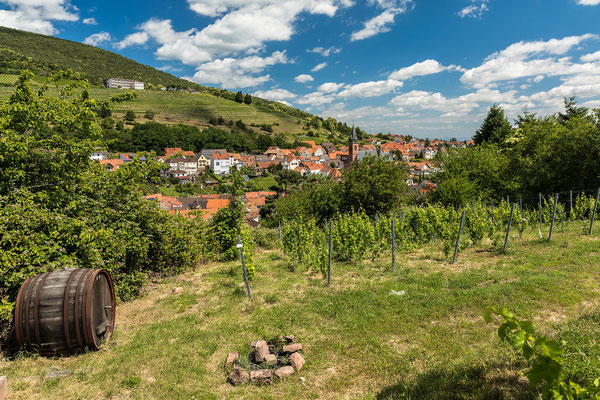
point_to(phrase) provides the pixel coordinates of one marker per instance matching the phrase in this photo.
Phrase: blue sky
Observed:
(421, 67)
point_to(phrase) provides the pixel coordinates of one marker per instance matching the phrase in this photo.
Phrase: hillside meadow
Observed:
(182, 107)
(360, 340)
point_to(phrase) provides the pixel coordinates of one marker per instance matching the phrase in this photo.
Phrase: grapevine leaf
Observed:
(527, 351)
(527, 326)
(518, 339)
(487, 316)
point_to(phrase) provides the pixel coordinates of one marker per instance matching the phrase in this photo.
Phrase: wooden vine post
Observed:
(512, 211)
(594, 213)
(394, 244)
(462, 220)
(241, 247)
(553, 216)
(330, 253)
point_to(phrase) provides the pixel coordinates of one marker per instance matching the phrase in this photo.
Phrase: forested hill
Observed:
(43, 54)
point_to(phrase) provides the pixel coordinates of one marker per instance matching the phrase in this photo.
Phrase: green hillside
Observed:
(43, 55)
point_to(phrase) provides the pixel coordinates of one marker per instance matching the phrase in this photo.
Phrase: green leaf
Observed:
(527, 351)
(487, 316)
(518, 339)
(527, 326)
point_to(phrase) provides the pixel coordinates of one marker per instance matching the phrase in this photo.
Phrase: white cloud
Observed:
(591, 57)
(375, 26)
(238, 73)
(524, 59)
(453, 107)
(329, 87)
(170, 68)
(275, 95)
(90, 21)
(323, 51)
(37, 15)
(242, 26)
(214, 8)
(381, 23)
(421, 100)
(588, 2)
(370, 89)
(133, 39)
(98, 38)
(316, 99)
(319, 67)
(304, 78)
(474, 10)
(427, 67)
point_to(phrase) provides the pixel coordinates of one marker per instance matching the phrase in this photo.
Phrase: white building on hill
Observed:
(116, 83)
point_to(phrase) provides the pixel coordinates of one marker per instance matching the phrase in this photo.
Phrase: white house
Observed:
(220, 163)
(188, 165)
(99, 155)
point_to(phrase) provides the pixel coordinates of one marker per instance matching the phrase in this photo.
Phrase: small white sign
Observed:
(239, 246)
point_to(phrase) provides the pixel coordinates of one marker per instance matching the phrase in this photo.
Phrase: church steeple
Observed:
(353, 145)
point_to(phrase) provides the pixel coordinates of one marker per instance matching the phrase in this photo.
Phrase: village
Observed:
(324, 161)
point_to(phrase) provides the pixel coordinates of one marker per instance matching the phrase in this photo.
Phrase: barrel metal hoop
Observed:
(112, 301)
(30, 287)
(36, 307)
(19, 312)
(77, 305)
(66, 310)
(87, 317)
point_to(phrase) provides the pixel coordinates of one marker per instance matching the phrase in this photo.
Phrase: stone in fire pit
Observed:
(280, 357)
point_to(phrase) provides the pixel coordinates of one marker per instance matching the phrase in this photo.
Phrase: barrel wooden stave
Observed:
(46, 298)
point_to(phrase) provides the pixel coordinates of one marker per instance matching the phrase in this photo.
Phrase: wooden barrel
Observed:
(65, 311)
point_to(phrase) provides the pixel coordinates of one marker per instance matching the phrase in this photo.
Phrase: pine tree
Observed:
(248, 99)
(239, 97)
(495, 127)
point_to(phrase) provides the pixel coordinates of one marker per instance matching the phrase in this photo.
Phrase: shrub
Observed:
(129, 116)
(266, 238)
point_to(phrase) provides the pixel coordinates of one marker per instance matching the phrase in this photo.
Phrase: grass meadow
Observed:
(359, 340)
(182, 107)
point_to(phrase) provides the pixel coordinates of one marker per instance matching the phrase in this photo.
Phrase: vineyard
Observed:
(416, 334)
(355, 237)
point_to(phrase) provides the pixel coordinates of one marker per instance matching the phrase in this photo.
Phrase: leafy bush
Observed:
(266, 238)
(58, 209)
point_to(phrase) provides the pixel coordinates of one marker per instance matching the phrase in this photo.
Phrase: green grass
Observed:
(359, 341)
(8, 79)
(189, 108)
(262, 183)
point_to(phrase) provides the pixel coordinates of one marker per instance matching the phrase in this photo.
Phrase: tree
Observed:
(239, 97)
(129, 116)
(104, 110)
(248, 99)
(473, 172)
(495, 128)
(227, 222)
(373, 185)
(287, 178)
(571, 110)
(58, 209)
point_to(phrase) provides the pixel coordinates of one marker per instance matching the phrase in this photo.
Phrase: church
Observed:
(353, 149)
